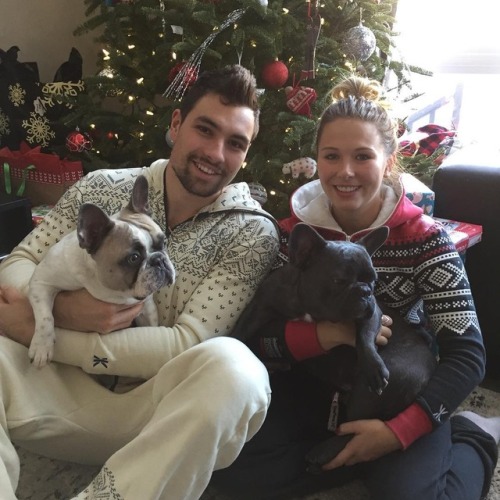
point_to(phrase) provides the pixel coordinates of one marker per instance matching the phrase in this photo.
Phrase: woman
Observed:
(422, 452)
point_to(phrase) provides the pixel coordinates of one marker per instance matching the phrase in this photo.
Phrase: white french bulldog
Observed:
(119, 259)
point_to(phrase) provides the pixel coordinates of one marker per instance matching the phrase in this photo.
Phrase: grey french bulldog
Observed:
(120, 259)
(334, 281)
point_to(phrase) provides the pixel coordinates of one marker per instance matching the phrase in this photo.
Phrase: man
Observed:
(183, 399)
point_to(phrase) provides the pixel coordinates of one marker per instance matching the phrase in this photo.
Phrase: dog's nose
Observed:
(365, 289)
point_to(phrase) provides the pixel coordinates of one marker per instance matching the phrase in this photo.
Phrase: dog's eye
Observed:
(133, 258)
(338, 281)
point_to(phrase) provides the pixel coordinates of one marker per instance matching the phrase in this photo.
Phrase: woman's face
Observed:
(351, 167)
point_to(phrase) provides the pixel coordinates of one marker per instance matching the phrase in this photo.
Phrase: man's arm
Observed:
(211, 310)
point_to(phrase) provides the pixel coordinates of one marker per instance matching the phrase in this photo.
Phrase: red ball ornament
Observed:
(77, 142)
(274, 74)
(190, 73)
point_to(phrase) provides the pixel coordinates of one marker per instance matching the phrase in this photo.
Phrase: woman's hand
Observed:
(78, 310)
(332, 335)
(372, 439)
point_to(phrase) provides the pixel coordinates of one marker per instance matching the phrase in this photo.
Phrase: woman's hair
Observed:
(235, 86)
(362, 99)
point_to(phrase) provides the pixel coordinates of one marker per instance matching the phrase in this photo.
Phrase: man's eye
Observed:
(203, 129)
(237, 145)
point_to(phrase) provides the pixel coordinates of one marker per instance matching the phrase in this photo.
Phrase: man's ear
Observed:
(175, 123)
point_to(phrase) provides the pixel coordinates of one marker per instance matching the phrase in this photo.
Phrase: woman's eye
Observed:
(363, 157)
(332, 156)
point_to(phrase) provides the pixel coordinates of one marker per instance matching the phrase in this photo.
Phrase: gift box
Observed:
(39, 212)
(418, 193)
(463, 234)
(46, 176)
(31, 111)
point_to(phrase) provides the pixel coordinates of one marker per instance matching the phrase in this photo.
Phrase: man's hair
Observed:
(235, 86)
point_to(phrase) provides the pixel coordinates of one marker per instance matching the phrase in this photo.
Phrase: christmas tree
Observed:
(153, 50)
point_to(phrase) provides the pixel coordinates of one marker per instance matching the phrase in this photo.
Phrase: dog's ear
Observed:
(374, 239)
(93, 226)
(139, 199)
(303, 244)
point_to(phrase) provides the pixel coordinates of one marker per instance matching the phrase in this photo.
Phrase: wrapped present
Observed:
(31, 111)
(463, 234)
(46, 175)
(39, 212)
(418, 193)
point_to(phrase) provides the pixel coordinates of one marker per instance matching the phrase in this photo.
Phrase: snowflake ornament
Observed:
(38, 130)
(17, 94)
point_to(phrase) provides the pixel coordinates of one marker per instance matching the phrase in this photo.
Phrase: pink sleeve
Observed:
(302, 340)
(410, 424)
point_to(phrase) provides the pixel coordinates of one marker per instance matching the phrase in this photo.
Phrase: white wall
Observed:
(43, 30)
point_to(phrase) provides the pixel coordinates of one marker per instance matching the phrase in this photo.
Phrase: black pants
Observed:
(454, 462)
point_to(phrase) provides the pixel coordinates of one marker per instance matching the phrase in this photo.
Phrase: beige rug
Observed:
(46, 479)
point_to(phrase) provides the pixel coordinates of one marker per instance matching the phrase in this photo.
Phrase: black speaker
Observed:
(469, 191)
(15, 221)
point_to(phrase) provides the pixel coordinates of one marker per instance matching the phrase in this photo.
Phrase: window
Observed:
(459, 42)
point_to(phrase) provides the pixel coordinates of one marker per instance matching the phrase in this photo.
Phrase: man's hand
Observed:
(78, 310)
(16, 316)
(372, 439)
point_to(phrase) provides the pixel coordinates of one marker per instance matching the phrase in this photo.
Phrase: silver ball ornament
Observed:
(359, 43)
(258, 192)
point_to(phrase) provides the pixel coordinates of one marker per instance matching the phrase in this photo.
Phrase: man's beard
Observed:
(196, 186)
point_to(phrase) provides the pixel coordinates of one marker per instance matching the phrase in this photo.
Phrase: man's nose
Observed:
(215, 150)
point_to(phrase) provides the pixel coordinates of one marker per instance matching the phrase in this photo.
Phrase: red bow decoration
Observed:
(426, 140)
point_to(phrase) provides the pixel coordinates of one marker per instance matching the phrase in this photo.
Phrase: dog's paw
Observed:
(325, 451)
(377, 377)
(40, 353)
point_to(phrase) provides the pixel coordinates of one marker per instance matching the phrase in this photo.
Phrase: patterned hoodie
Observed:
(220, 256)
(421, 275)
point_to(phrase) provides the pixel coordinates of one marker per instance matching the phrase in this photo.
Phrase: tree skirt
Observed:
(47, 479)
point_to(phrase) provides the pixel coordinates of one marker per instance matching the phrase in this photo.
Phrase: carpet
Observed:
(47, 479)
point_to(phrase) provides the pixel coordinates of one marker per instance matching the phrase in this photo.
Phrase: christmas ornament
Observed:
(426, 140)
(306, 166)
(359, 43)
(177, 88)
(189, 73)
(299, 99)
(258, 192)
(274, 74)
(109, 89)
(77, 142)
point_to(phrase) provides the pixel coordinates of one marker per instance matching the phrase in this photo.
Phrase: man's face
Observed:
(210, 145)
